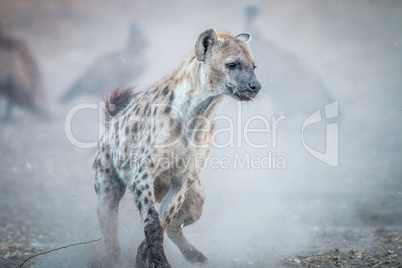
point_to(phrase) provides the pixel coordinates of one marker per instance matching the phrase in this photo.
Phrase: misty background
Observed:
(308, 55)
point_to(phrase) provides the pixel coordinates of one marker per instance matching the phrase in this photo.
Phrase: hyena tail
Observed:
(117, 101)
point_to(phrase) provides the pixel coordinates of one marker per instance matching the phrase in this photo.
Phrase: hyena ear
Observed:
(245, 37)
(205, 41)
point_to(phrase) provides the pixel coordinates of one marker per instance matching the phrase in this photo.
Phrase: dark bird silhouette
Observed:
(293, 87)
(116, 69)
(20, 79)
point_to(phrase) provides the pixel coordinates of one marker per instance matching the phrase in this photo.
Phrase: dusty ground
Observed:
(306, 215)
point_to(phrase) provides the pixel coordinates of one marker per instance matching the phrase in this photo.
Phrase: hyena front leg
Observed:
(189, 213)
(173, 200)
(109, 189)
(150, 252)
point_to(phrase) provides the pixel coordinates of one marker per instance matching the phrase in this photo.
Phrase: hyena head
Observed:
(228, 64)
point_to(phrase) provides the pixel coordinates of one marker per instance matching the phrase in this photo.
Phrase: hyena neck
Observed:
(193, 95)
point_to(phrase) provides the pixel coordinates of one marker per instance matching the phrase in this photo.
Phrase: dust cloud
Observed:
(308, 54)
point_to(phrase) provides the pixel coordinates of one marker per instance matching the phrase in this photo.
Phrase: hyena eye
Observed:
(231, 66)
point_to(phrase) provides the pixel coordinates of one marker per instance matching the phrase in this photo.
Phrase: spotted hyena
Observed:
(156, 141)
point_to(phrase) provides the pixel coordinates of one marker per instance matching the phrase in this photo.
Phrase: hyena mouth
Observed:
(244, 95)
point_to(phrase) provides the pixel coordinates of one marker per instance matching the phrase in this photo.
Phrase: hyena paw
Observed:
(141, 260)
(112, 254)
(195, 256)
(158, 260)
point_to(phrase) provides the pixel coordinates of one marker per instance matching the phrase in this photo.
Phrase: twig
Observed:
(42, 253)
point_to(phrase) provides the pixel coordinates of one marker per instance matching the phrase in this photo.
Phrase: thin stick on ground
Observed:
(42, 253)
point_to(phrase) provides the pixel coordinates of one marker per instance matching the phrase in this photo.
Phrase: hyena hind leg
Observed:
(110, 189)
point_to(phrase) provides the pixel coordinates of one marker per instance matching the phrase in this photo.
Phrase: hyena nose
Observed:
(254, 86)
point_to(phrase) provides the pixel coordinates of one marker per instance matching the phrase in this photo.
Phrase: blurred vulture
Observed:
(293, 88)
(113, 70)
